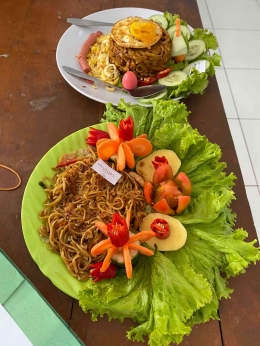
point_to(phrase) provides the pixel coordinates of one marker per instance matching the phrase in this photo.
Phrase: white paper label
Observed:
(106, 171)
(200, 65)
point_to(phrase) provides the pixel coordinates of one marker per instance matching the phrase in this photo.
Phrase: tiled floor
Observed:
(236, 24)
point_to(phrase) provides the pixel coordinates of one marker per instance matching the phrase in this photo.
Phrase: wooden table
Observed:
(30, 31)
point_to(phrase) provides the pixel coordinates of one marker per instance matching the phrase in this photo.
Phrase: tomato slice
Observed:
(146, 81)
(164, 73)
(161, 228)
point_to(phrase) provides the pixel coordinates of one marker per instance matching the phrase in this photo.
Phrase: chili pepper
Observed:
(164, 73)
(161, 228)
(126, 129)
(66, 163)
(97, 275)
(94, 135)
(159, 161)
(146, 81)
(117, 231)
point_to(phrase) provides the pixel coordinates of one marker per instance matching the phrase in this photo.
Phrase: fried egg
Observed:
(135, 32)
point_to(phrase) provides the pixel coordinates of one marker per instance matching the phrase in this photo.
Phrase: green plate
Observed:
(48, 261)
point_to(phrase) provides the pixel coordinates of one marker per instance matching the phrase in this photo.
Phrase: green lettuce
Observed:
(171, 18)
(147, 120)
(172, 291)
(207, 36)
(214, 60)
(195, 83)
(159, 296)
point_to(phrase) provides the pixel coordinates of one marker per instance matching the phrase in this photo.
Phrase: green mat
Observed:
(31, 312)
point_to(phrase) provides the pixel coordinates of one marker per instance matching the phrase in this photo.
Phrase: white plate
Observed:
(72, 41)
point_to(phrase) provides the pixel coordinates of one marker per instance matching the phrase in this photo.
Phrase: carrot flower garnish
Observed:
(122, 144)
(120, 240)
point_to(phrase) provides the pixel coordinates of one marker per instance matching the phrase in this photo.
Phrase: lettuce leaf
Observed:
(195, 83)
(174, 290)
(166, 112)
(159, 296)
(207, 36)
(177, 66)
(171, 18)
(214, 60)
(139, 114)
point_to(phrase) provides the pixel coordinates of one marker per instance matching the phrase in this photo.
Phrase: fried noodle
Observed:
(142, 61)
(77, 197)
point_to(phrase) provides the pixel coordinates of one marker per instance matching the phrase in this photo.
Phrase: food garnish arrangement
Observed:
(142, 217)
(161, 49)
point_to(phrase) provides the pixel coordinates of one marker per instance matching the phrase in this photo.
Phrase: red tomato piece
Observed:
(164, 73)
(161, 228)
(183, 182)
(183, 202)
(117, 231)
(146, 81)
(163, 207)
(148, 190)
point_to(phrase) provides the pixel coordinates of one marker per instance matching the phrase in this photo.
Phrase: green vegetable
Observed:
(195, 83)
(163, 321)
(177, 289)
(214, 60)
(172, 18)
(206, 36)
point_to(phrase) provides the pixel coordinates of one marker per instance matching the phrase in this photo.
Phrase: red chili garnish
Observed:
(159, 161)
(117, 231)
(66, 163)
(146, 81)
(97, 275)
(94, 135)
(164, 73)
(161, 228)
(126, 129)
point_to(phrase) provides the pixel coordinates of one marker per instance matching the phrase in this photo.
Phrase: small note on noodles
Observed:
(106, 171)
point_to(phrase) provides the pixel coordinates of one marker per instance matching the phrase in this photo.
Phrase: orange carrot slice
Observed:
(102, 227)
(143, 250)
(140, 146)
(108, 258)
(102, 140)
(141, 236)
(179, 58)
(178, 27)
(99, 248)
(143, 135)
(129, 156)
(106, 149)
(113, 132)
(128, 217)
(127, 260)
(121, 159)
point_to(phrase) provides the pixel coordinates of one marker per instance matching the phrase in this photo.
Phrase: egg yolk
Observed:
(144, 31)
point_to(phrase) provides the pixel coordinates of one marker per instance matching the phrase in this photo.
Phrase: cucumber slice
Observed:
(196, 48)
(184, 30)
(189, 67)
(160, 96)
(174, 78)
(179, 46)
(160, 19)
(118, 258)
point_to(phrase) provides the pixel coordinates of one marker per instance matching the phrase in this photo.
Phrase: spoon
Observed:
(140, 92)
